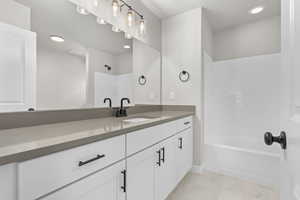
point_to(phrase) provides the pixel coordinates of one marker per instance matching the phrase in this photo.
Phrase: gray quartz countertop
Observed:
(30, 142)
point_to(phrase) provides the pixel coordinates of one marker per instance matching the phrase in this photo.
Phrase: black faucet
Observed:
(108, 99)
(122, 112)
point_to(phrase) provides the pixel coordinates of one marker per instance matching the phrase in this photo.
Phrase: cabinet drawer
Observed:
(42, 175)
(184, 123)
(139, 140)
(106, 184)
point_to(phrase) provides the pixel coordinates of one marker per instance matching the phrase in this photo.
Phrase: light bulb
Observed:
(82, 11)
(128, 36)
(101, 21)
(95, 3)
(130, 17)
(115, 8)
(116, 29)
(142, 28)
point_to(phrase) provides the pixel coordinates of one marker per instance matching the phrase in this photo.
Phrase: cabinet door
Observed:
(8, 185)
(141, 169)
(165, 174)
(107, 185)
(17, 68)
(184, 153)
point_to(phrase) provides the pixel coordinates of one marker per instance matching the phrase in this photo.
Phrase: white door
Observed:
(290, 115)
(17, 68)
(141, 169)
(184, 153)
(107, 184)
(166, 172)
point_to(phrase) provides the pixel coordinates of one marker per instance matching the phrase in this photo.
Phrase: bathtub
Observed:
(256, 166)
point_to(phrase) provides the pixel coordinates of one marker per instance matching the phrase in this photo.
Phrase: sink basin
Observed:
(137, 120)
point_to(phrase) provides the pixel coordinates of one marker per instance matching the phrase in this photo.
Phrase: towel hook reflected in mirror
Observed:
(142, 80)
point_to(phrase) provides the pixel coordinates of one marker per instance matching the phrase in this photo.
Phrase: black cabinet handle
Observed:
(187, 123)
(124, 172)
(163, 154)
(159, 158)
(81, 163)
(180, 143)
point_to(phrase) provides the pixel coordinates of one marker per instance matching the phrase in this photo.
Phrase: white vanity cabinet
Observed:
(108, 184)
(165, 174)
(141, 169)
(8, 181)
(183, 152)
(146, 164)
(155, 171)
(17, 69)
(43, 175)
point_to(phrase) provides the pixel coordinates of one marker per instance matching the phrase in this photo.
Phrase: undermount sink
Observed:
(137, 119)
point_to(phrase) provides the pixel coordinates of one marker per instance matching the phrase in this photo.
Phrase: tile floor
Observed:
(211, 186)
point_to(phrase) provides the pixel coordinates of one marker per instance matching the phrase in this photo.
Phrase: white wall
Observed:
(61, 80)
(182, 50)
(153, 24)
(113, 86)
(103, 83)
(95, 62)
(147, 62)
(242, 101)
(124, 63)
(16, 14)
(257, 38)
(207, 34)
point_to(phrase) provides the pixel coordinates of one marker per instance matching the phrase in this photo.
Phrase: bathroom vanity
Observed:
(61, 83)
(130, 158)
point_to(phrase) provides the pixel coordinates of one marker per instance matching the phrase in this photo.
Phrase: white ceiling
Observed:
(59, 17)
(221, 13)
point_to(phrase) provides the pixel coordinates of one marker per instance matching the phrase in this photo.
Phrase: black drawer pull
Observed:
(163, 154)
(124, 172)
(159, 158)
(180, 143)
(187, 123)
(81, 163)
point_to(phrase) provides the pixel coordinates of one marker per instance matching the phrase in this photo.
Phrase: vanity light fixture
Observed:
(57, 38)
(116, 29)
(115, 8)
(256, 10)
(101, 21)
(82, 10)
(96, 3)
(127, 46)
(128, 36)
(130, 17)
(142, 28)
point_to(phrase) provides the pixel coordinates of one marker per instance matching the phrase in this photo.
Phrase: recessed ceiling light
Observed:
(127, 47)
(56, 38)
(256, 10)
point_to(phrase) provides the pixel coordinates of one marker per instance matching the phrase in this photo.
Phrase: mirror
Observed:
(54, 58)
(79, 62)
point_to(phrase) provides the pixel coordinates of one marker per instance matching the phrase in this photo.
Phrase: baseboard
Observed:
(198, 169)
